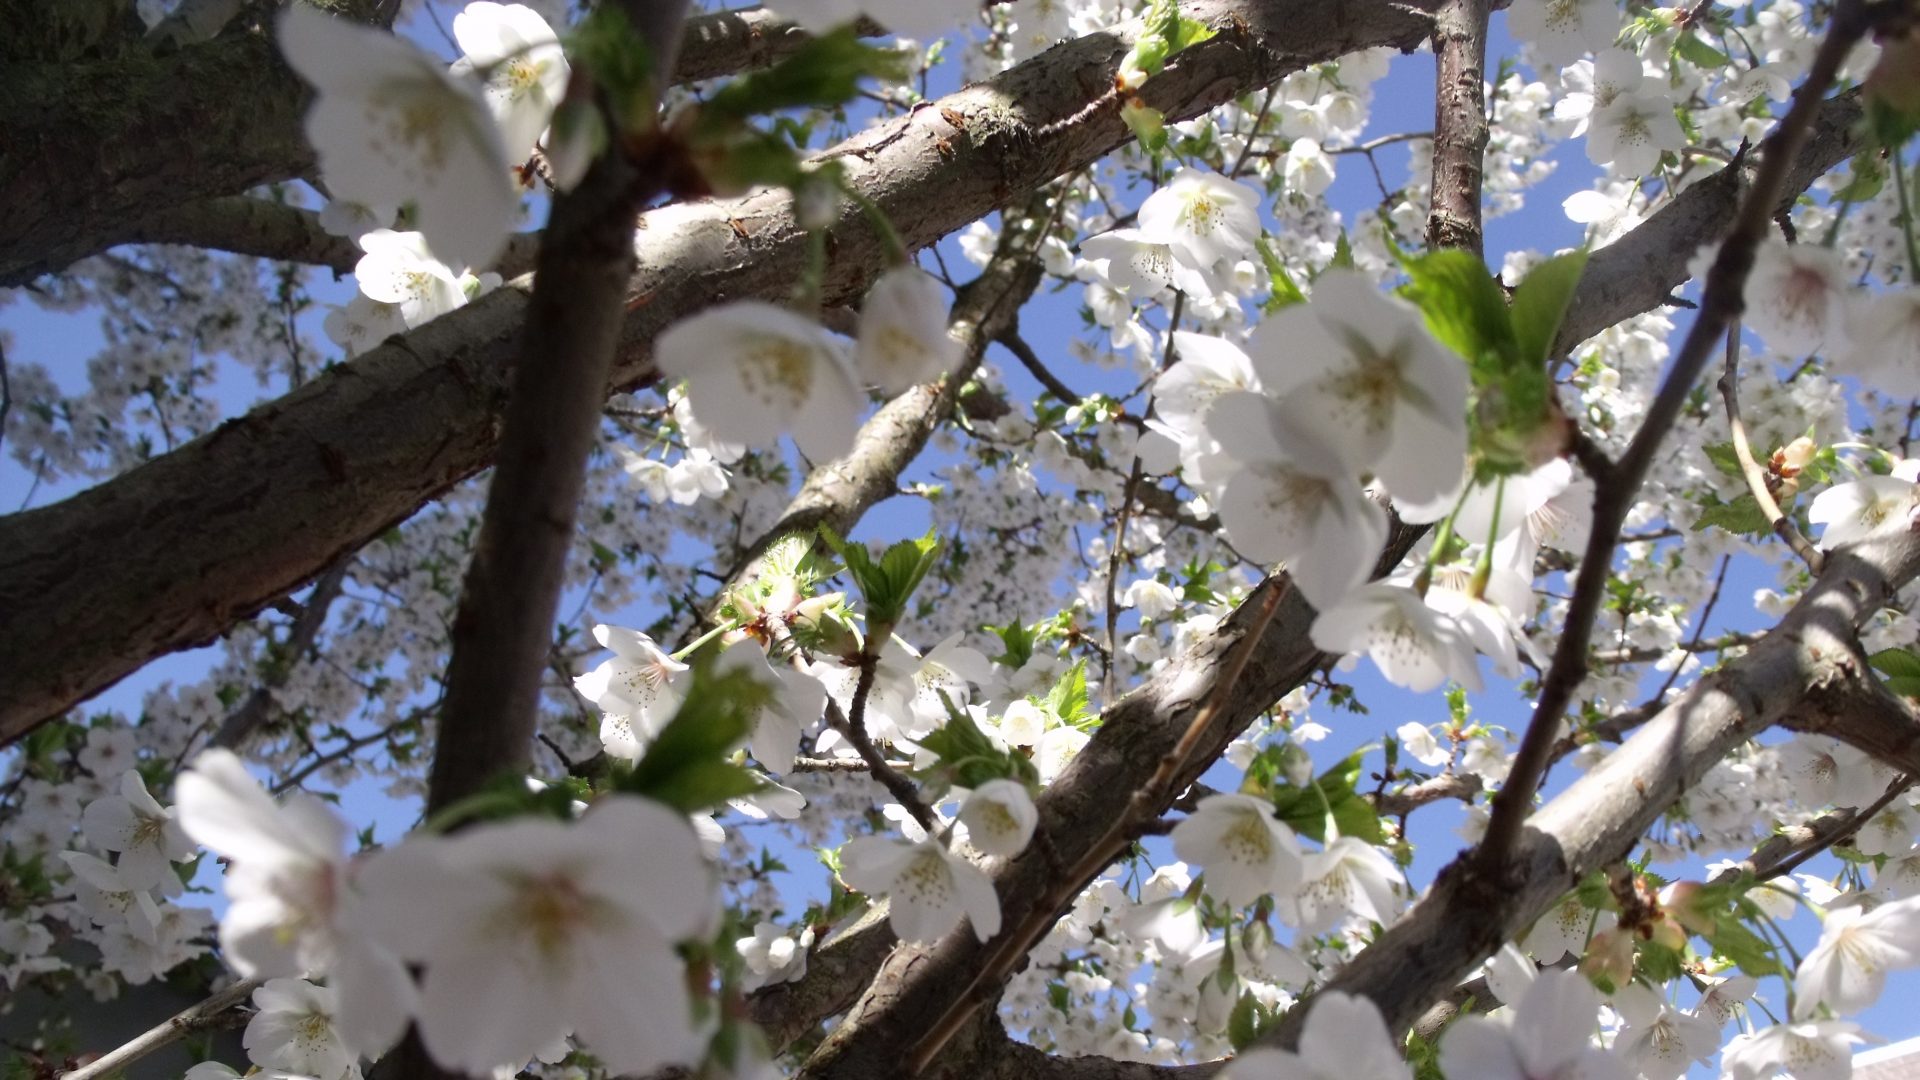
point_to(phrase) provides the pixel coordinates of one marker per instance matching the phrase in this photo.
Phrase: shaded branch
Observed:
(170, 554)
(218, 1012)
(241, 723)
(503, 630)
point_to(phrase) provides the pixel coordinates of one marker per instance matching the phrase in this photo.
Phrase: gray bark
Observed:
(215, 530)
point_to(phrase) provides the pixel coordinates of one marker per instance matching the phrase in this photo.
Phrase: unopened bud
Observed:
(1609, 960)
(1791, 458)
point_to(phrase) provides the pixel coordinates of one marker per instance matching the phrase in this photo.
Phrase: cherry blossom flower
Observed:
(1209, 368)
(1000, 817)
(289, 862)
(1848, 968)
(903, 338)
(144, 833)
(1350, 878)
(1344, 1037)
(1815, 1050)
(928, 887)
(1244, 849)
(534, 928)
(108, 900)
(391, 126)
(1202, 217)
(293, 1030)
(796, 703)
(1307, 168)
(1141, 265)
(1561, 31)
(1292, 501)
(518, 55)
(1633, 130)
(353, 220)
(773, 956)
(1417, 741)
(1564, 929)
(754, 370)
(1658, 1040)
(1609, 74)
(635, 691)
(1852, 511)
(1724, 998)
(1885, 348)
(363, 324)
(398, 269)
(1413, 644)
(1152, 598)
(1797, 297)
(1547, 1037)
(1356, 373)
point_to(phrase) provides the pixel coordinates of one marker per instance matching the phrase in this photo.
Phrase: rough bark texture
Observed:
(1459, 124)
(1640, 270)
(917, 983)
(211, 532)
(102, 152)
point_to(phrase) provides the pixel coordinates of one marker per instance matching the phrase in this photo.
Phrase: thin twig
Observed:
(1030, 360)
(254, 712)
(212, 1014)
(1167, 359)
(854, 727)
(1699, 629)
(1614, 495)
(1755, 475)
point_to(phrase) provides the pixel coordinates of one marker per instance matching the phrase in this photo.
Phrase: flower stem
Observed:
(703, 639)
(1483, 566)
(1906, 215)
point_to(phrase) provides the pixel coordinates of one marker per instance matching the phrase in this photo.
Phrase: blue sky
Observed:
(1402, 102)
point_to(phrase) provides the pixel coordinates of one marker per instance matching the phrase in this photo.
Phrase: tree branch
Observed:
(504, 627)
(1750, 470)
(242, 722)
(149, 146)
(214, 531)
(1459, 124)
(1615, 492)
(214, 1014)
(1810, 657)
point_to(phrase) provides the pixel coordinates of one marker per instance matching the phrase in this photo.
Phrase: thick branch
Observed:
(503, 630)
(210, 533)
(101, 153)
(1603, 814)
(919, 983)
(1459, 124)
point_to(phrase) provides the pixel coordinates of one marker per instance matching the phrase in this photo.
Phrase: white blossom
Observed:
(519, 57)
(928, 888)
(1244, 850)
(754, 371)
(1000, 817)
(144, 833)
(903, 338)
(391, 126)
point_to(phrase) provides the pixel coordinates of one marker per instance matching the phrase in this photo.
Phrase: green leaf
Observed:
(1540, 305)
(1897, 662)
(887, 584)
(1285, 293)
(1148, 124)
(1165, 34)
(1342, 254)
(1693, 50)
(1068, 699)
(967, 758)
(1742, 516)
(1902, 670)
(1464, 308)
(1724, 458)
(689, 765)
(1244, 1022)
(1017, 639)
(1306, 809)
(825, 72)
(1866, 177)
